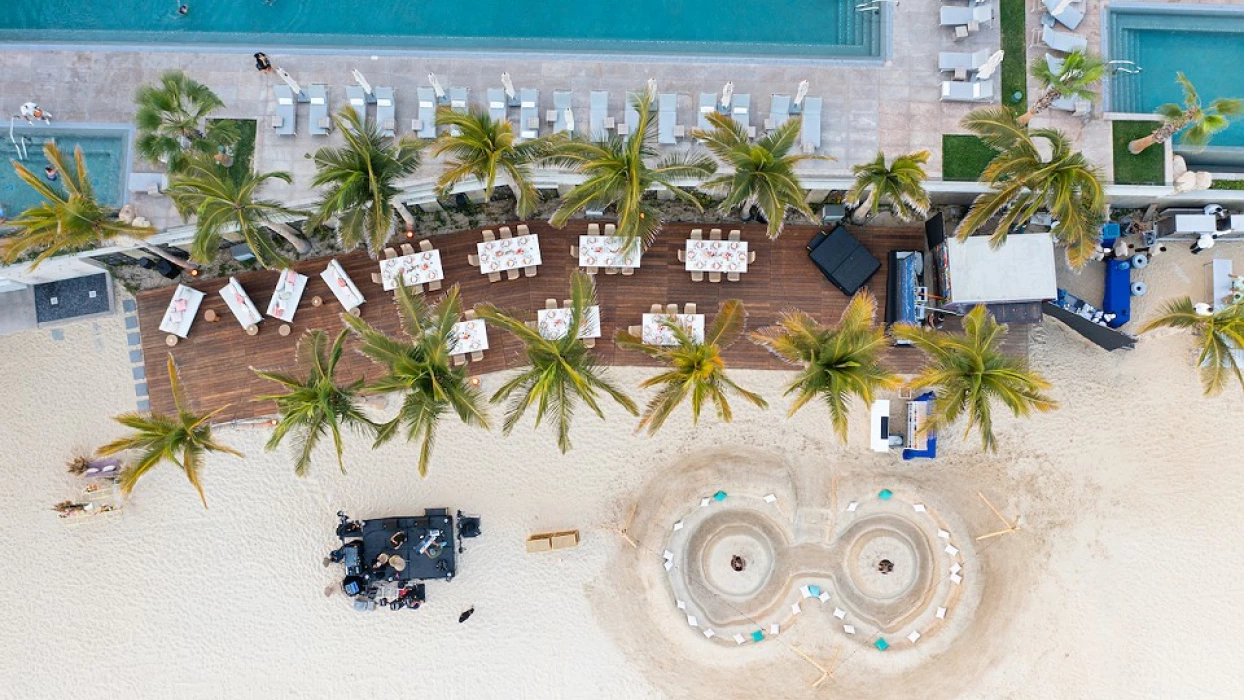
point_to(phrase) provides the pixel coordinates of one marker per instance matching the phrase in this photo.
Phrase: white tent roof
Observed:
(1019, 271)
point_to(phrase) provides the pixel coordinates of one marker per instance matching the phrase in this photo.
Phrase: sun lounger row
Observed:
(319, 111)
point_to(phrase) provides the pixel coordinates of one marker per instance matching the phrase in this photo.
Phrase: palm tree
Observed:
(1074, 79)
(182, 439)
(1023, 182)
(362, 180)
(968, 372)
(901, 185)
(486, 149)
(69, 219)
(1198, 124)
(1219, 333)
(221, 204)
(562, 372)
(763, 173)
(695, 370)
(420, 368)
(172, 121)
(618, 174)
(839, 362)
(317, 404)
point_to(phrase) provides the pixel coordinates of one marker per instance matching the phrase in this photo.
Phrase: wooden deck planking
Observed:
(214, 361)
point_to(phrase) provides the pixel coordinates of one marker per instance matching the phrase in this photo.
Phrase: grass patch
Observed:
(1013, 15)
(964, 157)
(244, 150)
(1227, 185)
(1147, 168)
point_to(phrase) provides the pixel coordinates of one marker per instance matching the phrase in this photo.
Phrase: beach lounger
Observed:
(632, 114)
(386, 114)
(425, 126)
(458, 103)
(597, 130)
(779, 112)
(667, 118)
(708, 105)
(810, 135)
(1063, 41)
(959, 91)
(960, 16)
(951, 61)
(561, 105)
(358, 102)
(1070, 16)
(284, 120)
(496, 104)
(528, 113)
(320, 122)
(741, 112)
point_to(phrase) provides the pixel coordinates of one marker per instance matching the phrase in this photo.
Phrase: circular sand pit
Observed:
(889, 565)
(736, 560)
(731, 557)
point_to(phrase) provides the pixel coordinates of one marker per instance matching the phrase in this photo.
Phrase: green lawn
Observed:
(964, 157)
(1227, 185)
(1147, 168)
(1012, 15)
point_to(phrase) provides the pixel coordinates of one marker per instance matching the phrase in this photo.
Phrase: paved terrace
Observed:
(215, 360)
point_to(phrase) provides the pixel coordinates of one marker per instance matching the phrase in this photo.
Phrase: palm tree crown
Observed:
(486, 149)
(69, 219)
(182, 439)
(839, 363)
(618, 174)
(1197, 123)
(420, 368)
(1023, 182)
(317, 404)
(172, 121)
(221, 204)
(901, 185)
(362, 179)
(763, 172)
(563, 371)
(695, 370)
(1073, 78)
(968, 372)
(1219, 333)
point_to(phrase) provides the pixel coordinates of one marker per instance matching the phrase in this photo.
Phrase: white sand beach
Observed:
(1122, 581)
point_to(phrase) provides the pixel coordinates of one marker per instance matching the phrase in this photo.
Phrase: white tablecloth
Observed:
(341, 285)
(716, 256)
(508, 253)
(608, 251)
(420, 268)
(181, 310)
(469, 336)
(655, 332)
(553, 323)
(289, 288)
(239, 302)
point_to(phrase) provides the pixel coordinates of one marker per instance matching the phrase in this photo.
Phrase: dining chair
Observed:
(610, 229)
(637, 331)
(656, 309)
(469, 315)
(690, 308)
(477, 356)
(671, 309)
(408, 249)
(459, 360)
(550, 303)
(714, 277)
(565, 303)
(425, 245)
(589, 343)
(473, 259)
(522, 230)
(732, 276)
(416, 288)
(574, 252)
(735, 235)
(434, 286)
(506, 233)
(682, 255)
(697, 234)
(389, 253)
(529, 271)
(751, 257)
(494, 277)
(628, 271)
(611, 270)
(714, 235)
(375, 277)
(593, 229)
(697, 276)
(488, 237)
(591, 270)
(530, 324)
(511, 274)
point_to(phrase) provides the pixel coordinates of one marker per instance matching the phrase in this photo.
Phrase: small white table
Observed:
(342, 286)
(716, 256)
(655, 332)
(181, 311)
(1221, 295)
(608, 251)
(239, 302)
(553, 323)
(1195, 223)
(288, 293)
(508, 253)
(420, 268)
(469, 336)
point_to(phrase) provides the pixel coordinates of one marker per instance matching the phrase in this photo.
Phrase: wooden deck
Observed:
(215, 360)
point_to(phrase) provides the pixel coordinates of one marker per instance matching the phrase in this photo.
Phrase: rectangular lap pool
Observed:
(106, 150)
(751, 28)
(1205, 42)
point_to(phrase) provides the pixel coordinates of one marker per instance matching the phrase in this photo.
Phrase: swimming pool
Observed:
(752, 28)
(106, 150)
(1205, 42)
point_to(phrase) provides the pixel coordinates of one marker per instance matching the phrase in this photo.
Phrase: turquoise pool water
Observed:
(1205, 42)
(107, 162)
(802, 28)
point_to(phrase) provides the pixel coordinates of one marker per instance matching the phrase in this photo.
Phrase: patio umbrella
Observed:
(508, 85)
(436, 86)
(652, 88)
(289, 80)
(569, 120)
(801, 93)
(991, 65)
(727, 92)
(358, 78)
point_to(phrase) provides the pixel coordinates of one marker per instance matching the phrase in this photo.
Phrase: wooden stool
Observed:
(284, 329)
(170, 341)
(252, 329)
(211, 316)
(316, 301)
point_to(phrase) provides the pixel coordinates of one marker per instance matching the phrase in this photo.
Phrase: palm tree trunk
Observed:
(1162, 134)
(160, 252)
(1047, 98)
(291, 236)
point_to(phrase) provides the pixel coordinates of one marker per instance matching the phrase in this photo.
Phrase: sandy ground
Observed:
(1123, 581)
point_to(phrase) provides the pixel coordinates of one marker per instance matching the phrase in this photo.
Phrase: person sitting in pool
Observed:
(183, 10)
(262, 64)
(51, 174)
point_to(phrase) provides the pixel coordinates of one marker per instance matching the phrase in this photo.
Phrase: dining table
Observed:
(181, 311)
(716, 256)
(553, 323)
(508, 253)
(468, 336)
(342, 287)
(656, 332)
(289, 288)
(422, 267)
(609, 251)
